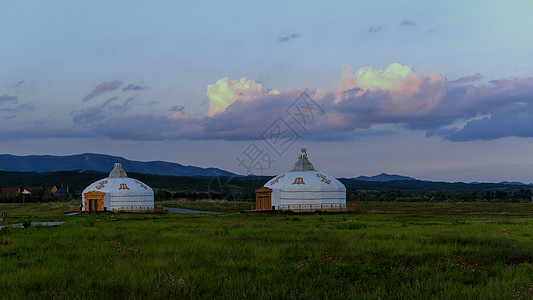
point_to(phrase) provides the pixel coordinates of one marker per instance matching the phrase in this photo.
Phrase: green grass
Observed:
(208, 205)
(387, 251)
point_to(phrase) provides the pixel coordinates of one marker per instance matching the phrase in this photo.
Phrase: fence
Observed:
(317, 207)
(156, 208)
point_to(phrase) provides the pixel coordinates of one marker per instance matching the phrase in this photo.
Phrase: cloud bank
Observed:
(456, 110)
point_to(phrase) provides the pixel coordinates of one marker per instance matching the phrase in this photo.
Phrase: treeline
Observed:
(165, 187)
(42, 195)
(78, 181)
(520, 195)
(243, 188)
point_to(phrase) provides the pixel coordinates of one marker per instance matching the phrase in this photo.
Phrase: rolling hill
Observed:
(90, 162)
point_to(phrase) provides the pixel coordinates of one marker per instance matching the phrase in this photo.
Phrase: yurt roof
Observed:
(304, 177)
(305, 181)
(118, 183)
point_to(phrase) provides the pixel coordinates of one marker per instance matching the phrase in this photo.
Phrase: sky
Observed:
(436, 90)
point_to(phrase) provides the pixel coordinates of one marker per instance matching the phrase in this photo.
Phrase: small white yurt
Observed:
(117, 192)
(302, 189)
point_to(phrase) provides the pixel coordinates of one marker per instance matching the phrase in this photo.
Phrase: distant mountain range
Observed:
(88, 162)
(384, 178)
(91, 162)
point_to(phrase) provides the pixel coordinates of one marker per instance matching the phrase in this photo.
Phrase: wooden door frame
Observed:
(261, 194)
(95, 195)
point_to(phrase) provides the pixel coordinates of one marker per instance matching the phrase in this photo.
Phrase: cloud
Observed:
(134, 87)
(179, 115)
(506, 106)
(109, 100)
(19, 83)
(398, 95)
(467, 79)
(374, 29)
(226, 92)
(292, 36)
(406, 22)
(94, 113)
(401, 91)
(122, 108)
(106, 86)
(179, 108)
(8, 98)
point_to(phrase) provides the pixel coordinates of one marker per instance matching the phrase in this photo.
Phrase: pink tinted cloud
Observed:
(179, 115)
(397, 95)
(408, 93)
(103, 87)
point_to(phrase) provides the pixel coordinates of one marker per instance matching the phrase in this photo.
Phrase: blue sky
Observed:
(438, 90)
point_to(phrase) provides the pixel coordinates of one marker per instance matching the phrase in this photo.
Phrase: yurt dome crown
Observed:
(117, 172)
(303, 163)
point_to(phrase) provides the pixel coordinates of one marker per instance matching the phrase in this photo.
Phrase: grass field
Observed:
(209, 205)
(385, 250)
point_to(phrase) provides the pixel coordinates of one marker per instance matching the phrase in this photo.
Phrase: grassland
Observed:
(385, 250)
(209, 205)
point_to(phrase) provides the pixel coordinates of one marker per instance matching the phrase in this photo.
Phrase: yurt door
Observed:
(94, 201)
(92, 204)
(263, 198)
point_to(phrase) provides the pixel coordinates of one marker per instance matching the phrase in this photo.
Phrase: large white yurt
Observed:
(117, 192)
(302, 189)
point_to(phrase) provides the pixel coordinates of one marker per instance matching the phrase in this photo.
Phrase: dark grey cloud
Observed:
(179, 108)
(467, 79)
(283, 39)
(124, 107)
(407, 22)
(19, 83)
(502, 109)
(106, 86)
(134, 87)
(374, 29)
(8, 98)
(109, 100)
(14, 109)
(94, 113)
